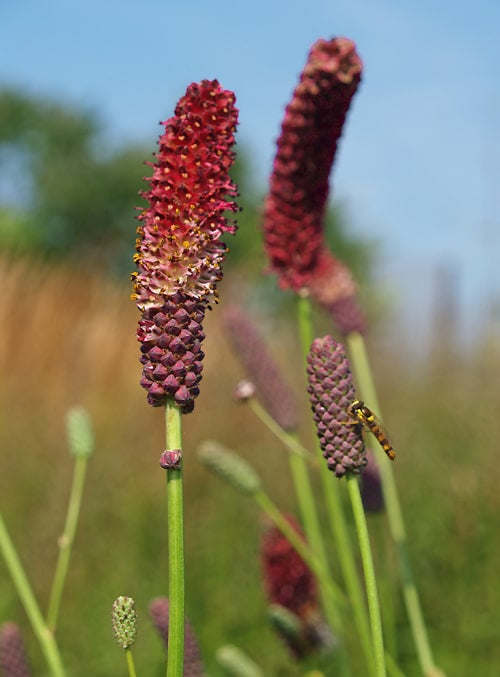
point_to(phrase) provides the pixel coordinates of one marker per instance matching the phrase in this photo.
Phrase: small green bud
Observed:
(285, 621)
(229, 467)
(79, 431)
(236, 662)
(124, 619)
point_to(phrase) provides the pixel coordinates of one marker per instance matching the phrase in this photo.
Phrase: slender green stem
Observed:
(302, 483)
(66, 541)
(175, 660)
(393, 670)
(310, 557)
(343, 549)
(369, 573)
(288, 439)
(130, 662)
(361, 365)
(46, 639)
(336, 515)
(338, 527)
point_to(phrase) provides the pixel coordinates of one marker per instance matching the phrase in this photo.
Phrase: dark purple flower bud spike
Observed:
(331, 393)
(171, 459)
(159, 610)
(13, 659)
(371, 486)
(270, 387)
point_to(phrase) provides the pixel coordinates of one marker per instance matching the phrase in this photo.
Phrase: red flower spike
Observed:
(295, 207)
(179, 251)
(287, 578)
(179, 247)
(289, 583)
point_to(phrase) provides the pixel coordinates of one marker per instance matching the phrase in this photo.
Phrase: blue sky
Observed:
(419, 164)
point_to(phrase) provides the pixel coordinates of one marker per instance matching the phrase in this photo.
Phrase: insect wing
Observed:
(377, 428)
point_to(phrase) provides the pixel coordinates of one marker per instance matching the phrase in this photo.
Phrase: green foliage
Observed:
(78, 199)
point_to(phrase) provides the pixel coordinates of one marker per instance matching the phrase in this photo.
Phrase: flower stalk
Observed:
(179, 257)
(369, 574)
(335, 511)
(45, 637)
(360, 361)
(81, 446)
(176, 583)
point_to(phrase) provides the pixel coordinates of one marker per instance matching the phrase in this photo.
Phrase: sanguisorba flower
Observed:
(159, 610)
(271, 387)
(331, 392)
(179, 251)
(290, 584)
(13, 659)
(294, 210)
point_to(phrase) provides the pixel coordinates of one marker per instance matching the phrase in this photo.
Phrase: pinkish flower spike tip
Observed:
(179, 247)
(179, 251)
(299, 186)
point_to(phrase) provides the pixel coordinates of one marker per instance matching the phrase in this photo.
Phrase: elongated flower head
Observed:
(331, 392)
(171, 338)
(13, 660)
(124, 621)
(271, 388)
(179, 248)
(159, 611)
(371, 485)
(288, 580)
(332, 285)
(295, 207)
(229, 467)
(292, 591)
(179, 251)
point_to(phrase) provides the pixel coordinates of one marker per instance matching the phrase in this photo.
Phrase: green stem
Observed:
(130, 662)
(175, 659)
(333, 592)
(361, 365)
(369, 573)
(288, 439)
(66, 541)
(302, 483)
(347, 562)
(336, 515)
(45, 637)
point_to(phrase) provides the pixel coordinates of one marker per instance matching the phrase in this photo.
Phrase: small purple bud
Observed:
(171, 459)
(244, 390)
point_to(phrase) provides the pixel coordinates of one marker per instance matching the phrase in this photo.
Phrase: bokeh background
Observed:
(414, 212)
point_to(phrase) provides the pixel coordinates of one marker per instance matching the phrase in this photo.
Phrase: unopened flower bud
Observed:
(231, 468)
(331, 393)
(270, 387)
(244, 390)
(124, 620)
(13, 659)
(79, 430)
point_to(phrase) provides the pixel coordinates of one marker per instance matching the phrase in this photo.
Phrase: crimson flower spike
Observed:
(295, 207)
(179, 251)
(290, 584)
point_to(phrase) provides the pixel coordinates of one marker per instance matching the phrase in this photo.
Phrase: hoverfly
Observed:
(366, 417)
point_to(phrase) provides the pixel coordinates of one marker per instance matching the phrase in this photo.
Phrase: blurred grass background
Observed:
(67, 336)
